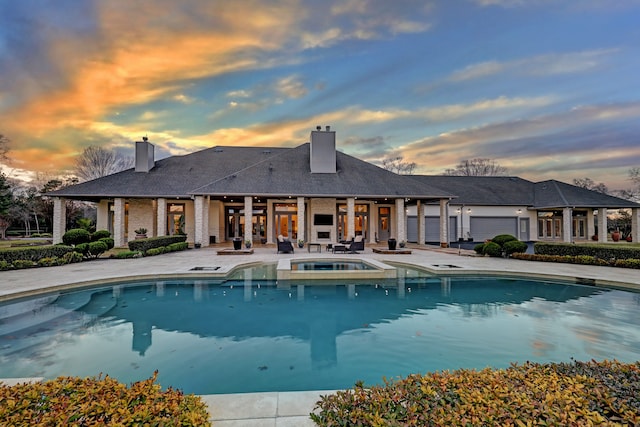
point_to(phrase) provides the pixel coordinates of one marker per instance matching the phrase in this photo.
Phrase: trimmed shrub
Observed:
(606, 251)
(33, 253)
(627, 263)
(492, 249)
(71, 257)
(49, 262)
(76, 236)
(126, 254)
(154, 251)
(479, 248)
(23, 263)
(180, 246)
(100, 234)
(100, 401)
(514, 246)
(576, 394)
(97, 248)
(83, 249)
(4, 265)
(501, 239)
(108, 241)
(143, 245)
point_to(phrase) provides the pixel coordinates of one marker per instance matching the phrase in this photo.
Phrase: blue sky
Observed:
(546, 88)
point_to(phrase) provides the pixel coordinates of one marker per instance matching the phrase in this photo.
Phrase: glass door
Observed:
(384, 219)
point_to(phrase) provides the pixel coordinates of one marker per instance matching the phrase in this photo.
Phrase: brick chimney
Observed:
(323, 150)
(145, 160)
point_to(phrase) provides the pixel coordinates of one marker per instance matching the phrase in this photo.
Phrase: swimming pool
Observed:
(249, 333)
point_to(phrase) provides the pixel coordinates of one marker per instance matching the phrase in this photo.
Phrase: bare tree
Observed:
(590, 185)
(477, 167)
(397, 165)
(4, 147)
(96, 162)
(634, 192)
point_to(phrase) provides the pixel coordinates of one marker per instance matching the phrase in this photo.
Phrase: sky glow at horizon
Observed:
(548, 89)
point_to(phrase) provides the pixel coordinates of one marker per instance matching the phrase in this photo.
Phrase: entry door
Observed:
(384, 222)
(524, 229)
(286, 224)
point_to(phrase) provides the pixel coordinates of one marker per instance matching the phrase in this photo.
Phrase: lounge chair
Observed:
(284, 245)
(356, 245)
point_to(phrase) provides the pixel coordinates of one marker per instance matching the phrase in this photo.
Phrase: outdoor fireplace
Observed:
(324, 235)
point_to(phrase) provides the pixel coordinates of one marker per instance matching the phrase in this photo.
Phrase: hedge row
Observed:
(581, 259)
(564, 394)
(33, 253)
(606, 251)
(178, 246)
(69, 401)
(143, 245)
(18, 264)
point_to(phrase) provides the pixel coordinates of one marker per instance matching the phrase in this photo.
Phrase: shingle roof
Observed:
(289, 173)
(255, 171)
(557, 194)
(484, 190)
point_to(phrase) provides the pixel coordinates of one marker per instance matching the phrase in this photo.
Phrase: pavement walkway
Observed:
(287, 408)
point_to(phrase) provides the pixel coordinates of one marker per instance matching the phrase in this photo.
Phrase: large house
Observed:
(315, 193)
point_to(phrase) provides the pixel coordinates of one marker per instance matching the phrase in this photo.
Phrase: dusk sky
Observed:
(547, 88)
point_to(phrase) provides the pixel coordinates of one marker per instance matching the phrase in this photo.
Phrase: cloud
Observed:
(541, 65)
(291, 87)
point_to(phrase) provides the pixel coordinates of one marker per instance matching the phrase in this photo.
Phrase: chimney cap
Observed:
(328, 128)
(318, 127)
(145, 139)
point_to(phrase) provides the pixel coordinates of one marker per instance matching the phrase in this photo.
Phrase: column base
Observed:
(444, 245)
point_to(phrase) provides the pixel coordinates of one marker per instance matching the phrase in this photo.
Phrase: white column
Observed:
(567, 223)
(59, 218)
(102, 215)
(401, 223)
(302, 225)
(270, 220)
(421, 223)
(635, 224)
(248, 218)
(351, 218)
(444, 223)
(118, 222)
(602, 225)
(590, 224)
(206, 204)
(198, 207)
(161, 219)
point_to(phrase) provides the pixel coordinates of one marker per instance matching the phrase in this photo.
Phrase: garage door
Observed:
(483, 228)
(432, 232)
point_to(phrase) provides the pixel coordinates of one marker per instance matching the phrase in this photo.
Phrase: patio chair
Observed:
(284, 245)
(356, 245)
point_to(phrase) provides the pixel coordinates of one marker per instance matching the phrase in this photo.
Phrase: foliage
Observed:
(85, 224)
(593, 393)
(126, 254)
(580, 259)
(477, 167)
(155, 251)
(71, 257)
(97, 248)
(82, 249)
(143, 245)
(180, 246)
(4, 265)
(94, 401)
(100, 234)
(108, 241)
(49, 262)
(96, 162)
(23, 263)
(492, 249)
(598, 250)
(5, 194)
(589, 184)
(76, 236)
(501, 239)
(34, 253)
(514, 246)
(141, 230)
(479, 248)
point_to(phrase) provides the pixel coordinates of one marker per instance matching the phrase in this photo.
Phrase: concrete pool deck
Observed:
(288, 408)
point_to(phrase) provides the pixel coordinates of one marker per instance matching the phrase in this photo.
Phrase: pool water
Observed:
(250, 334)
(330, 265)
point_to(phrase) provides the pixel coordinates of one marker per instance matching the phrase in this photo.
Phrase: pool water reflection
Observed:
(250, 333)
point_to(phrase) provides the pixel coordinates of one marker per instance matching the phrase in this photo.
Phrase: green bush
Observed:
(143, 245)
(23, 263)
(4, 265)
(33, 253)
(68, 401)
(97, 248)
(100, 234)
(627, 263)
(76, 236)
(577, 394)
(49, 262)
(501, 239)
(180, 246)
(71, 257)
(605, 251)
(514, 246)
(492, 249)
(126, 254)
(82, 249)
(108, 241)
(154, 251)
(479, 248)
